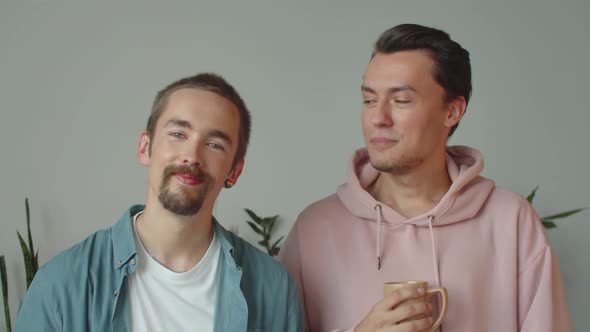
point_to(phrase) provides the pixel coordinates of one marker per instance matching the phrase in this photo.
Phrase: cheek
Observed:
(365, 124)
(219, 166)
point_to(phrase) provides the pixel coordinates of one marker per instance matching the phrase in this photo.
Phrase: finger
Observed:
(412, 326)
(400, 295)
(407, 311)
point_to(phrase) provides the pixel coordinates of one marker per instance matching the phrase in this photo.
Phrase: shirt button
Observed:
(132, 261)
(119, 262)
(116, 292)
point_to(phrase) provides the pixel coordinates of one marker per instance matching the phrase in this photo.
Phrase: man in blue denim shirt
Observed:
(169, 265)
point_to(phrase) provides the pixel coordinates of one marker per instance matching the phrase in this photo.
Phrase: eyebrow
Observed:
(220, 134)
(215, 133)
(394, 89)
(178, 123)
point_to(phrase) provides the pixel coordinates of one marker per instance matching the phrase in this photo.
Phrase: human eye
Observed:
(176, 134)
(401, 101)
(216, 146)
(368, 102)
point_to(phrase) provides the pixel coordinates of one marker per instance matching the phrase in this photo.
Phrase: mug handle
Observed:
(443, 309)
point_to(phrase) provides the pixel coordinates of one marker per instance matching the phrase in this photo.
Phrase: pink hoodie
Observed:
(484, 244)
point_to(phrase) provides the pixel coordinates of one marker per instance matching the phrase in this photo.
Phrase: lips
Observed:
(188, 179)
(381, 143)
(382, 140)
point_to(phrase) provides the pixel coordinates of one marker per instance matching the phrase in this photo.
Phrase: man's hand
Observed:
(386, 314)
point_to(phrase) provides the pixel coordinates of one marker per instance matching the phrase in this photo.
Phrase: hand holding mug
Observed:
(394, 286)
(403, 309)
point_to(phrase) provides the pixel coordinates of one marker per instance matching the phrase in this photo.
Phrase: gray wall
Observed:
(77, 81)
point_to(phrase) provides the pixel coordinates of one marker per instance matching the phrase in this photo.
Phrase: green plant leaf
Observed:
(23, 246)
(531, 196)
(272, 219)
(254, 217)
(264, 227)
(274, 251)
(563, 214)
(254, 227)
(30, 237)
(4, 280)
(28, 259)
(274, 245)
(271, 225)
(266, 236)
(36, 263)
(549, 224)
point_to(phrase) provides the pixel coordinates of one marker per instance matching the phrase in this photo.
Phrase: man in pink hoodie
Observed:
(415, 209)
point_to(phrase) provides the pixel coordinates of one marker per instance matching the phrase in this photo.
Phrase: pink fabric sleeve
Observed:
(289, 256)
(541, 299)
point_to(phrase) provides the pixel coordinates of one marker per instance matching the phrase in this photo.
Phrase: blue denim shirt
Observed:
(85, 287)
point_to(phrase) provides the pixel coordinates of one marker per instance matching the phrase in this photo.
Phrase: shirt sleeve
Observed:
(541, 302)
(294, 314)
(289, 257)
(38, 312)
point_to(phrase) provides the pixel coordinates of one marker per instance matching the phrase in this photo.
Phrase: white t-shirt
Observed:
(163, 300)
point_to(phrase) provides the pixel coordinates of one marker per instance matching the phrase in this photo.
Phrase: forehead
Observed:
(414, 68)
(201, 108)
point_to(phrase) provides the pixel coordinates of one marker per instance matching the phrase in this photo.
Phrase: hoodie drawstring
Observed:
(432, 242)
(434, 253)
(378, 209)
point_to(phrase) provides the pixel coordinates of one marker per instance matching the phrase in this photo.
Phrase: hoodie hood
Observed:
(463, 200)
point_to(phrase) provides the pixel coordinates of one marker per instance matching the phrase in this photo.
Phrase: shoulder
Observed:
(70, 263)
(508, 197)
(323, 210)
(322, 206)
(259, 270)
(253, 259)
(514, 211)
(507, 205)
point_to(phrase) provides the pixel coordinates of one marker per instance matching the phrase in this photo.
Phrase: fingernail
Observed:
(420, 291)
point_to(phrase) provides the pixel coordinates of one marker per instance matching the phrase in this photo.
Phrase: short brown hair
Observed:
(212, 83)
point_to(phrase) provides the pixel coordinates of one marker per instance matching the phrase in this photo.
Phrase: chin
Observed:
(381, 157)
(392, 164)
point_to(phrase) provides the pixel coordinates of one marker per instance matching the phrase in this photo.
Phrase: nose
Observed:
(192, 155)
(381, 115)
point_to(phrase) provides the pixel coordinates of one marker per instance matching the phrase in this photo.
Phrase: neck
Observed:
(415, 192)
(177, 242)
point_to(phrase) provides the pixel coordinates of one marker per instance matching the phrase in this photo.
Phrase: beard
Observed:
(182, 200)
(399, 165)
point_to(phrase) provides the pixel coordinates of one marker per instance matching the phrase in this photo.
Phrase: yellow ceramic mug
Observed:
(392, 286)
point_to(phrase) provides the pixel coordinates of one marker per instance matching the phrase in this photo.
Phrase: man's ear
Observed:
(236, 171)
(143, 149)
(455, 111)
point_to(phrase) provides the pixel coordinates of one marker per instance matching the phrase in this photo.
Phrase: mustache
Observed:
(191, 170)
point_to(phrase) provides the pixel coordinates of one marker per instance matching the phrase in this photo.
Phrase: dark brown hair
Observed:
(452, 67)
(212, 83)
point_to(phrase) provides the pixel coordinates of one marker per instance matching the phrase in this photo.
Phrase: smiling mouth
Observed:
(188, 179)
